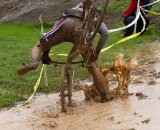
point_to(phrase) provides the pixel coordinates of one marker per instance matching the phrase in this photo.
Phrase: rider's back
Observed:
(71, 29)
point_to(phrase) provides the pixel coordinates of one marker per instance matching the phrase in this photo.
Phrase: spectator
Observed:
(130, 14)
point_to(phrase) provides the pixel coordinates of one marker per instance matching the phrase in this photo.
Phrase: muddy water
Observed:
(140, 111)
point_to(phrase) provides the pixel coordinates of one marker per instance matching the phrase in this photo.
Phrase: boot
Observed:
(46, 60)
(27, 67)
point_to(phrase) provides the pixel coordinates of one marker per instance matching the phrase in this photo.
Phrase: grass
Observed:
(16, 42)
(122, 5)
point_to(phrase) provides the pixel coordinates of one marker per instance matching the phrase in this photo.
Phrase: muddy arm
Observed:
(99, 20)
(103, 31)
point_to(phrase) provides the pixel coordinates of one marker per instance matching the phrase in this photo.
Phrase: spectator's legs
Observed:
(140, 23)
(129, 30)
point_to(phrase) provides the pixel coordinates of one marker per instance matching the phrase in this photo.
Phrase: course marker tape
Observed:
(45, 76)
(151, 3)
(135, 20)
(35, 86)
(152, 12)
(53, 54)
(126, 38)
(118, 42)
(129, 25)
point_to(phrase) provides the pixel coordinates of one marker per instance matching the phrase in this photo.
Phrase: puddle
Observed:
(131, 113)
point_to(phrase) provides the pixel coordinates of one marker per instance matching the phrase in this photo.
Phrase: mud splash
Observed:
(129, 113)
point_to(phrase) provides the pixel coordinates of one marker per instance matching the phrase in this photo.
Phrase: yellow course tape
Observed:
(126, 38)
(45, 76)
(148, 11)
(120, 41)
(36, 85)
(40, 77)
(58, 54)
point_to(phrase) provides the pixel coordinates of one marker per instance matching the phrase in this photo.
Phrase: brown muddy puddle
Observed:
(140, 111)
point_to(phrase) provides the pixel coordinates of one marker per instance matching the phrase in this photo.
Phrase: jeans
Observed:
(130, 30)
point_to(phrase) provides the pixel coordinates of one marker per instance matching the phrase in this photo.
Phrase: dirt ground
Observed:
(140, 111)
(28, 11)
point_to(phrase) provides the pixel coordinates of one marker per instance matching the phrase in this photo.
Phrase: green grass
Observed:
(118, 6)
(121, 5)
(17, 40)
